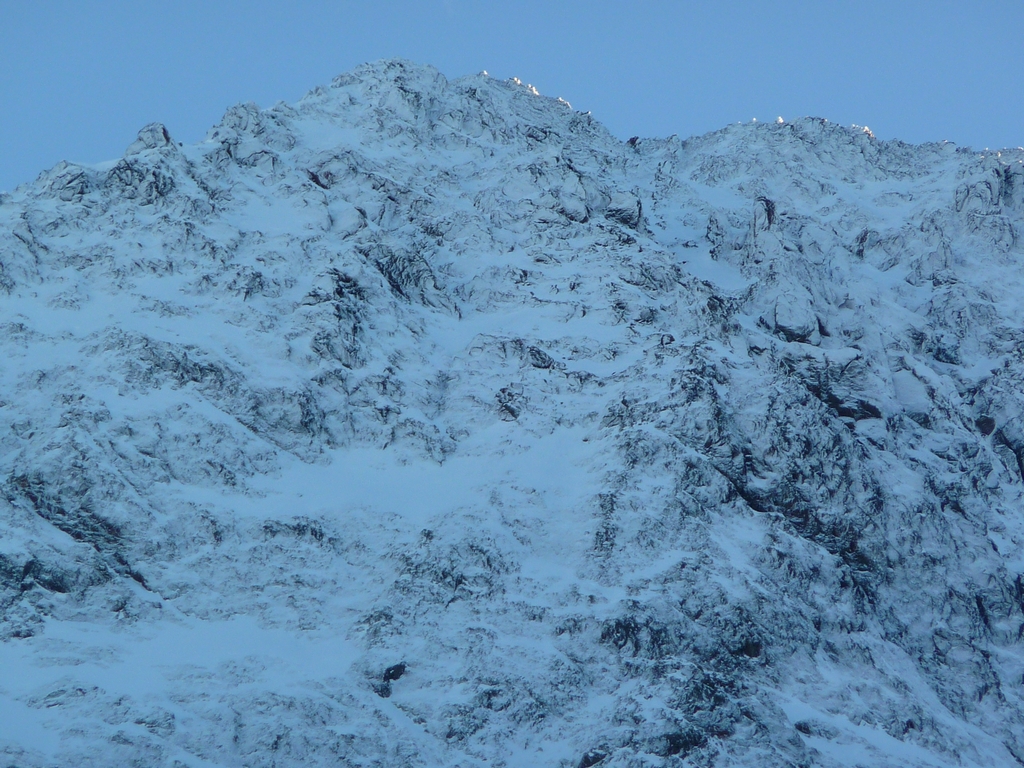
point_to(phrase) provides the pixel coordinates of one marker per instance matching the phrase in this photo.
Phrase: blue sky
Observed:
(78, 78)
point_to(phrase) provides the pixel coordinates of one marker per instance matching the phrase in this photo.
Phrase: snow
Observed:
(699, 452)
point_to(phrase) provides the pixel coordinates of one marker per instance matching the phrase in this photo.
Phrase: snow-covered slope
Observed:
(425, 423)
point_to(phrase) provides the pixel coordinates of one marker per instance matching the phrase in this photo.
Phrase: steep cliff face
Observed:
(425, 423)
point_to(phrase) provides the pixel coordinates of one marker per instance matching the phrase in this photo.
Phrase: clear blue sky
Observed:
(78, 78)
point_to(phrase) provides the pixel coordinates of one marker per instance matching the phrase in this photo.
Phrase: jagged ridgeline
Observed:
(425, 423)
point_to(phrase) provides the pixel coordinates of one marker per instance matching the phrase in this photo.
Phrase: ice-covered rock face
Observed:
(425, 423)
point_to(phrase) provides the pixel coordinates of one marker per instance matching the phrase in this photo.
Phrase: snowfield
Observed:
(425, 423)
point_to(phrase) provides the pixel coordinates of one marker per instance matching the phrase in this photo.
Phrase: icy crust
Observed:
(423, 422)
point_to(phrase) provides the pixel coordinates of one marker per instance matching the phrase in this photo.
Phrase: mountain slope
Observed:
(423, 422)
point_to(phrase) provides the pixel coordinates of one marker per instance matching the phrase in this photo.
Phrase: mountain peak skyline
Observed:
(425, 422)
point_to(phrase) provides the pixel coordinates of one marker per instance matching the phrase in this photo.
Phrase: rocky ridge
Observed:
(424, 422)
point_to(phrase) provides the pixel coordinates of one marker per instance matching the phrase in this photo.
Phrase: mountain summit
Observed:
(425, 423)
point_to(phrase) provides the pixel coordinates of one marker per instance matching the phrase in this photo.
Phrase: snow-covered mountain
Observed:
(425, 423)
